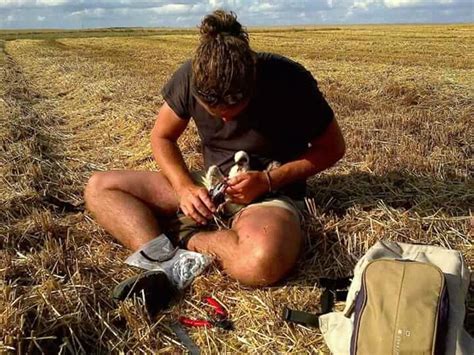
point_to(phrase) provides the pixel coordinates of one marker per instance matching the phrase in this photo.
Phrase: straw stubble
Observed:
(72, 106)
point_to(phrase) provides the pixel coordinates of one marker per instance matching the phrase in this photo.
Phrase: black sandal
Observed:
(154, 285)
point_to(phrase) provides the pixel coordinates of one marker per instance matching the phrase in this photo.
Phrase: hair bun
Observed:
(222, 23)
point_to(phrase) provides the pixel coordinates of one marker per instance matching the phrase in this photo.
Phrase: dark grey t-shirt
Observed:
(286, 112)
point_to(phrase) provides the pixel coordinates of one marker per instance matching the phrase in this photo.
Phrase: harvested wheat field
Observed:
(403, 96)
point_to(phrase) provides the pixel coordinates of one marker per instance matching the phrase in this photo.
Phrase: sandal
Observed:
(155, 287)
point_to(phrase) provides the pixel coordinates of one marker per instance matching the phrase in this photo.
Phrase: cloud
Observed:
(364, 4)
(172, 9)
(31, 3)
(265, 6)
(368, 4)
(412, 3)
(91, 13)
(41, 18)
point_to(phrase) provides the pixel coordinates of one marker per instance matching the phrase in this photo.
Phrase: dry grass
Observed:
(403, 97)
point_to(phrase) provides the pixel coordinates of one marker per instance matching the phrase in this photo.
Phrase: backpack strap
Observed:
(336, 284)
(332, 292)
(300, 317)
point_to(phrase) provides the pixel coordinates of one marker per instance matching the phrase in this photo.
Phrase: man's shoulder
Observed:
(185, 69)
(276, 65)
(271, 57)
(176, 91)
(275, 58)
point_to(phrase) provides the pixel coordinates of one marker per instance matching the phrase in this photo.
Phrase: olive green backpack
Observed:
(402, 307)
(403, 299)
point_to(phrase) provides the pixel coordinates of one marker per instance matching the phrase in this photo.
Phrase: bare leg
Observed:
(261, 248)
(124, 202)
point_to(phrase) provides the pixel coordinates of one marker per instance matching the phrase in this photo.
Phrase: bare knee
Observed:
(97, 183)
(264, 268)
(265, 263)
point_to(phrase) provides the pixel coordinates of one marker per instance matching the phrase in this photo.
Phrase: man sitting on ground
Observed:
(262, 103)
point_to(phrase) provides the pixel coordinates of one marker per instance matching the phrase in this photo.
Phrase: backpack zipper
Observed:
(351, 308)
(361, 300)
(441, 297)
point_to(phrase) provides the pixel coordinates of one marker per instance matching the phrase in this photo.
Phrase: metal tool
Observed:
(185, 339)
(219, 318)
(217, 193)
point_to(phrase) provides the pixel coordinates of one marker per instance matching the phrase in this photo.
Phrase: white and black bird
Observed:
(213, 177)
(214, 180)
(242, 163)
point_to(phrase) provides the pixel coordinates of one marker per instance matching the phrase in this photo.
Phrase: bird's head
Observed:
(241, 158)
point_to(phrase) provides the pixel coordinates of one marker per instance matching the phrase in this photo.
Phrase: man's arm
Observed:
(194, 200)
(164, 136)
(324, 152)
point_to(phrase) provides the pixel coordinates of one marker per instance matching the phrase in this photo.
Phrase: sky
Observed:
(188, 13)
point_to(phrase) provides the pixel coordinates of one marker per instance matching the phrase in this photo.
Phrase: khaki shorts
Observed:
(274, 200)
(294, 206)
(181, 228)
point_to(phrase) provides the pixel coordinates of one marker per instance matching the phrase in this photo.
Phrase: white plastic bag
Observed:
(181, 266)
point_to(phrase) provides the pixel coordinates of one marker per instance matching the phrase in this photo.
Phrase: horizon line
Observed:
(193, 28)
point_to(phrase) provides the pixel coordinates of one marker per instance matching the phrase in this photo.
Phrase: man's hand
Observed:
(194, 201)
(246, 187)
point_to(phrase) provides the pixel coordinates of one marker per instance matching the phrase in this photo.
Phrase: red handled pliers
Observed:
(218, 319)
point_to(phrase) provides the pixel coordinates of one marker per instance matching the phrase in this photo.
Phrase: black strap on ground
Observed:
(327, 301)
(311, 319)
(341, 295)
(333, 291)
(185, 339)
(300, 317)
(335, 284)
